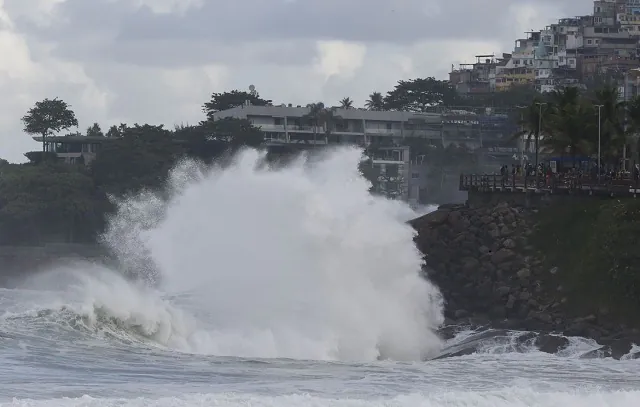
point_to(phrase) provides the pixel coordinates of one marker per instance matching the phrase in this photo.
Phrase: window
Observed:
(278, 121)
(415, 175)
(589, 42)
(389, 126)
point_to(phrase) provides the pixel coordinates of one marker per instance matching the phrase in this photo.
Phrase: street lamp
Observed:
(540, 104)
(599, 132)
(522, 143)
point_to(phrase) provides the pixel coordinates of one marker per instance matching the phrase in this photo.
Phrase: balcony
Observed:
(271, 127)
(384, 132)
(311, 129)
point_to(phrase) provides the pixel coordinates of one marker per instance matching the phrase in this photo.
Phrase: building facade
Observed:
(73, 149)
(392, 170)
(573, 50)
(291, 125)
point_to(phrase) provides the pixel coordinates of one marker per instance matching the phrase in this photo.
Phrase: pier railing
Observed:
(606, 185)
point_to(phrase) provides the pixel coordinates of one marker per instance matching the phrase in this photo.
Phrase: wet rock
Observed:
(461, 352)
(509, 244)
(481, 259)
(434, 218)
(502, 255)
(603, 352)
(620, 347)
(503, 291)
(524, 273)
(551, 343)
(461, 314)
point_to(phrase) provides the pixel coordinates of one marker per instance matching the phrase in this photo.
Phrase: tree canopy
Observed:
(49, 117)
(134, 157)
(420, 95)
(569, 124)
(228, 100)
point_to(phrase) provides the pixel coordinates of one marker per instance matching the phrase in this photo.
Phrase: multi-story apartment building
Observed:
(477, 78)
(389, 169)
(628, 15)
(573, 50)
(487, 133)
(288, 124)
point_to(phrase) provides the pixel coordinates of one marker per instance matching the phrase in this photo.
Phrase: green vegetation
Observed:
(48, 117)
(46, 200)
(569, 124)
(593, 242)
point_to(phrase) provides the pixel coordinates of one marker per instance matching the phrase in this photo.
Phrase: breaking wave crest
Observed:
(296, 262)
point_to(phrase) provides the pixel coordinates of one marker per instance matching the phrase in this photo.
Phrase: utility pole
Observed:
(540, 104)
(521, 144)
(599, 134)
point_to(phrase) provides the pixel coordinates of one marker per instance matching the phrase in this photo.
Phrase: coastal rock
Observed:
(482, 261)
(502, 255)
(551, 343)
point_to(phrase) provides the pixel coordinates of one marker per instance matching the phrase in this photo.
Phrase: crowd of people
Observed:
(545, 171)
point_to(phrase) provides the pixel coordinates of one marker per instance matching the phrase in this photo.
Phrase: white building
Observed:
(288, 124)
(390, 167)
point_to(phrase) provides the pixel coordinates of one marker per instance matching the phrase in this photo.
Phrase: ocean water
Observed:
(247, 286)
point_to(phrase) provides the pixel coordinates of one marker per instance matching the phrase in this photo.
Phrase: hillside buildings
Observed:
(570, 52)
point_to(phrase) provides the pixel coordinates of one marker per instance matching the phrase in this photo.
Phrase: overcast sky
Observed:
(157, 61)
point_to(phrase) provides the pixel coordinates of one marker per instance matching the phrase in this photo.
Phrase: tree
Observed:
(612, 124)
(199, 143)
(633, 130)
(48, 117)
(48, 202)
(140, 158)
(236, 132)
(420, 95)
(229, 100)
(375, 102)
(346, 103)
(530, 122)
(37, 157)
(94, 131)
(570, 125)
(113, 132)
(321, 117)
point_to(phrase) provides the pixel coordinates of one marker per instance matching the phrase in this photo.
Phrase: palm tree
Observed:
(375, 102)
(569, 124)
(529, 123)
(612, 123)
(346, 103)
(320, 116)
(633, 130)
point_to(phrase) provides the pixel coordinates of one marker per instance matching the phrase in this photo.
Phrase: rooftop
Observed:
(347, 114)
(73, 139)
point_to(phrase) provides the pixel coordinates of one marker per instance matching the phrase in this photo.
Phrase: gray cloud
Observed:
(402, 21)
(115, 61)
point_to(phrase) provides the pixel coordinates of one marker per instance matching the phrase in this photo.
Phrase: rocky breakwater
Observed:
(490, 275)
